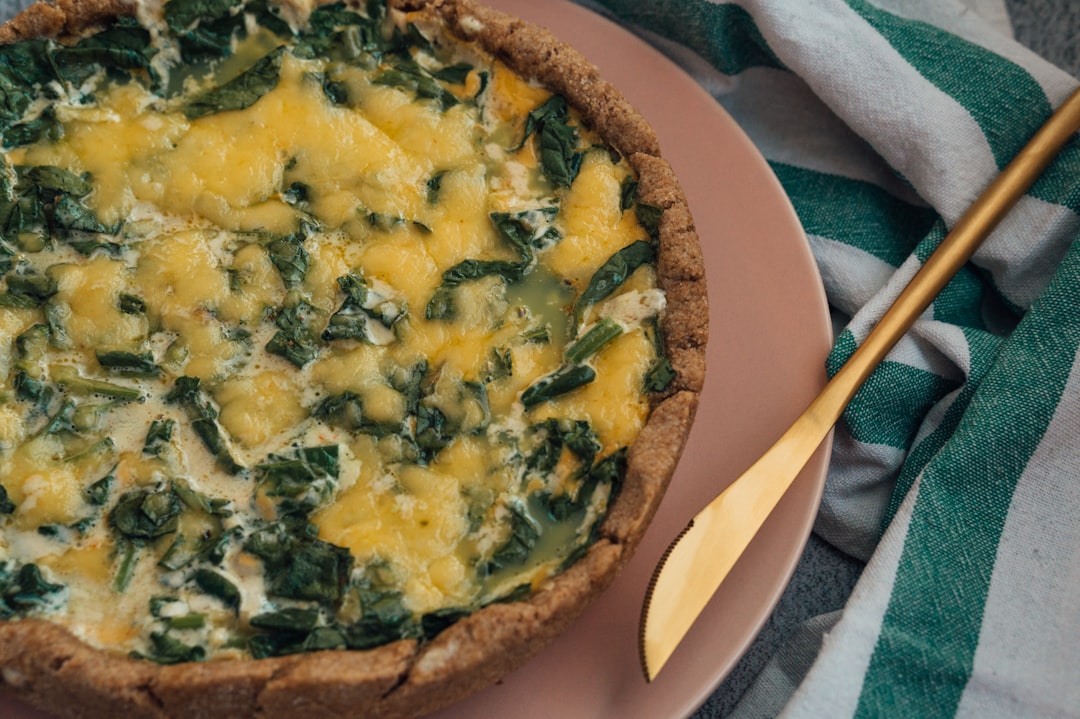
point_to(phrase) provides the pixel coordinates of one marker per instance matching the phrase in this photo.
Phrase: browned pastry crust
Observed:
(45, 665)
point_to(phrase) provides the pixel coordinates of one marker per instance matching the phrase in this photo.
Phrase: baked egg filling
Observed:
(317, 330)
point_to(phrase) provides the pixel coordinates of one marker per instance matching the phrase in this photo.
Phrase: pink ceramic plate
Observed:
(770, 335)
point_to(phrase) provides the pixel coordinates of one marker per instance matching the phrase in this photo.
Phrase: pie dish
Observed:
(417, 673)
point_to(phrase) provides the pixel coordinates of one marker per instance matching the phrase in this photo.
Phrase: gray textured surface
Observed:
(1051, 28)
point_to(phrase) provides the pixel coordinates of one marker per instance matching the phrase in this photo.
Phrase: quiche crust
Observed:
(49, 667)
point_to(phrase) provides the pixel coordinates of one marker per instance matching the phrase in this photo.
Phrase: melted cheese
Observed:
(433, 444)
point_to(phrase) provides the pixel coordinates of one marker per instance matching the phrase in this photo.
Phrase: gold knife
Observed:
(701, 556)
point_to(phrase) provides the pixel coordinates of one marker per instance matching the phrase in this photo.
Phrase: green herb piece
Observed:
(23, 590)
(54, 181)
(6, 505)
(361, 304)
(336, 92)
(241, 92)
(144, 515)
(97, 493)
(129, 554)
(538, 335)
(35, 287)
(560, 159)
(292, 619)
(286, 632)
(193, 620)
(70, 378)
(598, 336)
(132, 305)
(556, 434)
(297, 194)
(661, 373)
(529, 230)
(557, 383)
(455, 74)
(649, 218)
(346, 410)
(186, 393)
(441, 305)
(74, 219)
(524, 534)
(205, 28)
(290, 258)
(615, 271)
(44, 127)
(433, 623)
(434, 187)
(407, 75)
(29, 379)
(129, 364)
(199, 502)
(296, 340)
(217, 586)
(304, 481)
(158, 435)
(500, 364)
(124, 46)
(627, 193)
(170, 650)
(384, 616)
(298, 565)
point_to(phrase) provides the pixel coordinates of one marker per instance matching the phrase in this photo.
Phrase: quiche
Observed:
(345, 352)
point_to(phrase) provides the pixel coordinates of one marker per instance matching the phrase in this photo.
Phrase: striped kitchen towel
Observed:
(956, 470)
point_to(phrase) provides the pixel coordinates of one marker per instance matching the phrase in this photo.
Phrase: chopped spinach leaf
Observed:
(217, 586)
(649, 218)
(628, 193)
(529, 230)
(24, 589)
(434, 187)
(557, 140)
(616, 270)
(524, 534)
(129, 364)
(455, 74)
(303, 481)
(297, 340)
(124, 46)
(35, 288)
(44, 127)
(98, 492)
(299, 565)
(158, 435)
(556, 434)
(406, 74)
(132, 305)
(6, 505)
(351, 321)
(144, 515)
(289, 256)
(187, 394)
(241, 92)
(166, 649)
(199, 502)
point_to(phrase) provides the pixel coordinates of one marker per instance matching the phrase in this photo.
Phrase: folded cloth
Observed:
(956, 470)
